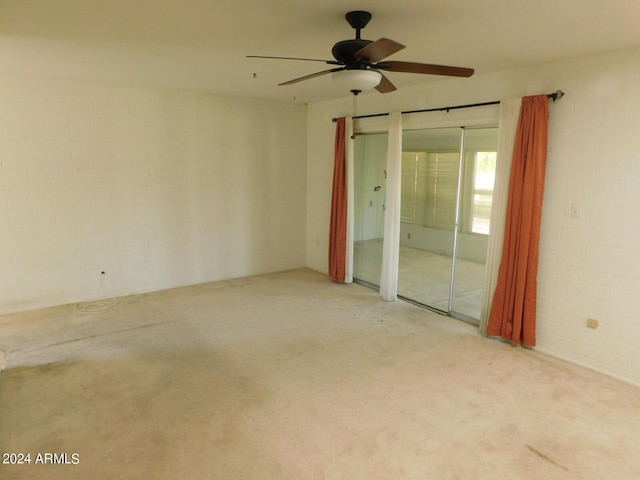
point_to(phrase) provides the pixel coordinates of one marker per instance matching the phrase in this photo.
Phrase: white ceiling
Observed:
(198, 44)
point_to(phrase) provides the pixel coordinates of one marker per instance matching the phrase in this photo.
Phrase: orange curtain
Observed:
(338, 226)
(513, 311)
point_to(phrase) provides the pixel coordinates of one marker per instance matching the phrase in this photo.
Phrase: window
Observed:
(484, 173)
(430, 186)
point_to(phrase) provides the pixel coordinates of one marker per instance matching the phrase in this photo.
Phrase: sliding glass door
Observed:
(477, 179)
(370, 160)
(446, 198)
(430, 173)
(447, 186)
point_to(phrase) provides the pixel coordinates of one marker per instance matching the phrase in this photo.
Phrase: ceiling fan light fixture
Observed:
(357, 79)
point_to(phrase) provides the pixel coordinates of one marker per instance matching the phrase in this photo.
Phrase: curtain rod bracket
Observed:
(557, 95)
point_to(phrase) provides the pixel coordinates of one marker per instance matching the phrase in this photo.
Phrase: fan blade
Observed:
(313, 75)
(385, 85)
(376, 51)
(411, 67)
(330, 62)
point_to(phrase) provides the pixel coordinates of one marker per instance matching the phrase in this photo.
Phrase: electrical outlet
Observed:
(592, 323)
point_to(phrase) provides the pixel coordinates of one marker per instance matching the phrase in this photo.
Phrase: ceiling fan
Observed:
(359, 62)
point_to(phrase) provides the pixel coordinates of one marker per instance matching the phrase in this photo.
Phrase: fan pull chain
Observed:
(355, 97)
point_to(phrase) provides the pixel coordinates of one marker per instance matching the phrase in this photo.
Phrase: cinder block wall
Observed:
(155, 188)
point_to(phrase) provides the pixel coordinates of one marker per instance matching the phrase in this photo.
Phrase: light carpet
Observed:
(291, 376)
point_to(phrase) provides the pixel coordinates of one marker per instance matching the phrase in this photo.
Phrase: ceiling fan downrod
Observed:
(358, 20)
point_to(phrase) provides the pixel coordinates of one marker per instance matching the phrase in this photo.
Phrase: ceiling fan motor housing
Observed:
(344, 52)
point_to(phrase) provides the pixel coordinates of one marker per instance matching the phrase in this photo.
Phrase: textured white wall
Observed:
(157, 188)
(589, 265)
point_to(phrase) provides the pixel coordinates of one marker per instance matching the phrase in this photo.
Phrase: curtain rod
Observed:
(557, 95)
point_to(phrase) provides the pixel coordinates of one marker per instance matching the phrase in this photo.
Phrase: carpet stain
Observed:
(186, 411)
(545, 457)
